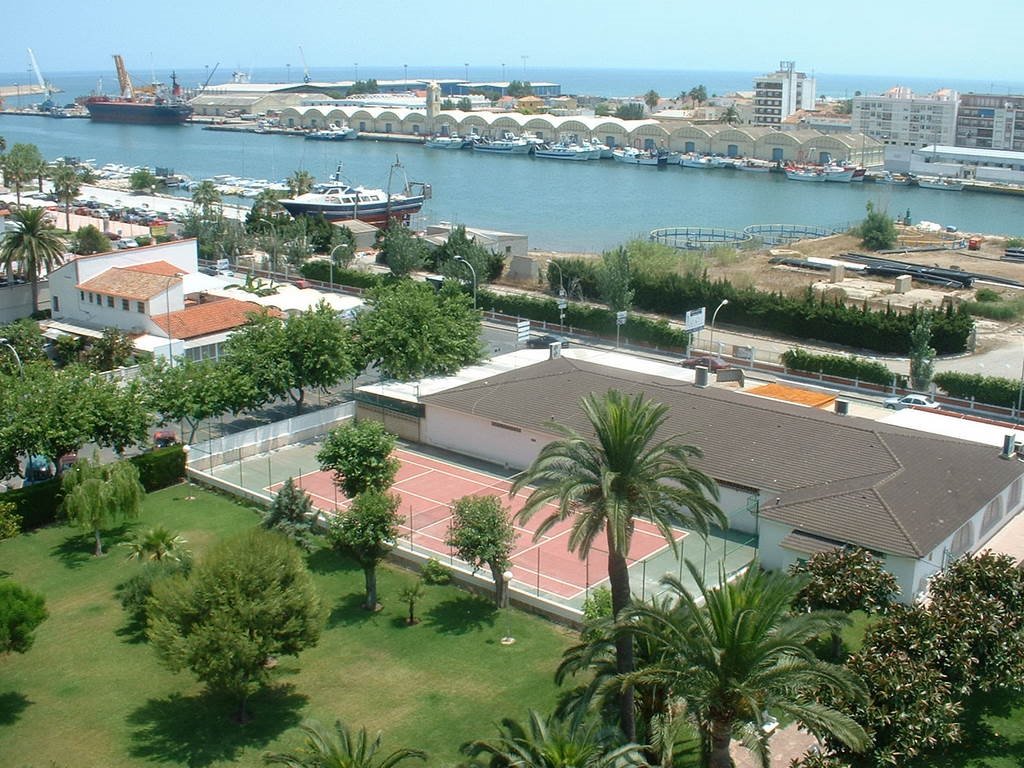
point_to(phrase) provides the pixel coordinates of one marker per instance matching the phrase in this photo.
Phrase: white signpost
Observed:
(620, 320)
(694, 322)
(522, 331)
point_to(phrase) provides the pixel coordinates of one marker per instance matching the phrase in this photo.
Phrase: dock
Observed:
(7, 91)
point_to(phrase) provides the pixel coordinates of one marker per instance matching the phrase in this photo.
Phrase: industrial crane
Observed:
(45, 87)
(305, 68)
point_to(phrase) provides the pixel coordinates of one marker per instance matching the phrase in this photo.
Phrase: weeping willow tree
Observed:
(97, 495)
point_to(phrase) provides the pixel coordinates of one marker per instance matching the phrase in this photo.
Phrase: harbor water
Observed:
(561, 206)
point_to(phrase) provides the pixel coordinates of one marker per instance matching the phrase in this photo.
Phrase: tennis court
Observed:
(427, 485)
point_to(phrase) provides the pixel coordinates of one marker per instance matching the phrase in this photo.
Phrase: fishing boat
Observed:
(634, 156)
(566, 151)
(896, 179)
(940, 182)
(338, 200)
(694, 160)
(752, 165)
(804, 173)
(508, 144)
(604, 152)
(838, 173)
(445, 142)
(334, 133)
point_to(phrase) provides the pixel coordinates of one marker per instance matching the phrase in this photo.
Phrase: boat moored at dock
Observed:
(940, 182)
(508, 144)
(334, 133)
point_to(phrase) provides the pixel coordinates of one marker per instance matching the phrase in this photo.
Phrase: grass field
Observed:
(91, 692)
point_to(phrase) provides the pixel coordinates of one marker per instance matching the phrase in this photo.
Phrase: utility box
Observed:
(837, 273)
(974, 244)
(700, 376)
(903, 284)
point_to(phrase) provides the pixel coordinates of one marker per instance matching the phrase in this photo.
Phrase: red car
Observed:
(711, 363)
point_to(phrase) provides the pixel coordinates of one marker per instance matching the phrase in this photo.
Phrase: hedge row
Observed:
(985, 389)
(804, 317)
(321, 270)
(838, 365)
(597, 320)
(39, 504)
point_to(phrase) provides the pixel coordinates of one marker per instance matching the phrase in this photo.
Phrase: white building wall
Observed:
(472, 436)
(904, 124)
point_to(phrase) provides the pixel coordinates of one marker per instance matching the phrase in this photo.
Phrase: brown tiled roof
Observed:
(214, 316)
(157, 268)
(839, 477)
(130, 283)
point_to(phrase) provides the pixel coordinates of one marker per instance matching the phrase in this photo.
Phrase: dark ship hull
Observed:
(137, 112)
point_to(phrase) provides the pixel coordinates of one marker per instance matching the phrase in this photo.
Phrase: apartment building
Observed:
(904, 121)
(990, 121)
(781, 93)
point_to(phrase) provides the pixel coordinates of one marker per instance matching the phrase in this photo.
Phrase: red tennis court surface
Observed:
(428, 485)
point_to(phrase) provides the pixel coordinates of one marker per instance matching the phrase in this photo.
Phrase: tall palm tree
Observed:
(159, 544)
(553, 743)
(739, 652)
(34, 243)
(206, 198)
(22, 164)
(67, 183)
(603, 485)
(299, 183)
(339, 748)
(651, 99)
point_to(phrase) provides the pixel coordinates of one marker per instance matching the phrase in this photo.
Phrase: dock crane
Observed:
(44, 86)
(305, 68)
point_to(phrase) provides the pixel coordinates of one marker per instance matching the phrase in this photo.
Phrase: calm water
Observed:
(561, 206)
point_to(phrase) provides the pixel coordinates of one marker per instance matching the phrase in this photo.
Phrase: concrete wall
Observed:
(16, 301)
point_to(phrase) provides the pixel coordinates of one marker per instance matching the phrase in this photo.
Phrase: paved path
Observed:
(786, 744)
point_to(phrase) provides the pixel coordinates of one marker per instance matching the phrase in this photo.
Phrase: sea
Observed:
(566, 207)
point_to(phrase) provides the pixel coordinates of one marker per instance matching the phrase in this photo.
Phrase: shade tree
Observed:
(21, 164)
(359, 454)
(97, 495)
(186, 391)
(482, 534)
(367, 531)
(248, 601)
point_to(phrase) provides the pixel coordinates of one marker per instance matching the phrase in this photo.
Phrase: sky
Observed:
(872, 37)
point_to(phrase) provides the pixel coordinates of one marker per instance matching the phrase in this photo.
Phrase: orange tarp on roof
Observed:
(809, 397)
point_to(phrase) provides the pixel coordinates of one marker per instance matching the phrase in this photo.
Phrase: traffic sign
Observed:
(695, 319)
(522, 330)
(620, 317)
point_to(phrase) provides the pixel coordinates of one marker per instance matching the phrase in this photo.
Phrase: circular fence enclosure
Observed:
(698, 238)
(783, 234)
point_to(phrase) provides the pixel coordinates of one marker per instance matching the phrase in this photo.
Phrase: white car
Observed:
(908, 401)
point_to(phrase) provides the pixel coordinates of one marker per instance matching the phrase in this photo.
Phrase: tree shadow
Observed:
(133, 631)
(77, 549)
(12, 704)
(462, 614)
(350, 609)
(200, 730)
(326, 561)
(981, 741)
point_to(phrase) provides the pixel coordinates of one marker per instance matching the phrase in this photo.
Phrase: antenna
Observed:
(305, 67)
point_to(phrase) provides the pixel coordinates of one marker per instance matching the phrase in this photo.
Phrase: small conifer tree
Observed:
(292, 514)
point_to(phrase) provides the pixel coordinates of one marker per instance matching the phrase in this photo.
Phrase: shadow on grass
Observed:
(12, 704)
(326, 561)
(77, 549)
(350, 610)
(462, 614)
(200, 730)
(133, 631)
(981, 741)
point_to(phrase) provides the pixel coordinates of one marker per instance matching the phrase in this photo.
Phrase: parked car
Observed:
(545, 340)
(126, 242)
(164, 438)
(910, 401)
(707, 361)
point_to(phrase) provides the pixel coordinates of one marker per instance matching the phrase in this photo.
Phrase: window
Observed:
(56, 303)
(110, 301)
(140, 307)
(81, 295)
(125, 305)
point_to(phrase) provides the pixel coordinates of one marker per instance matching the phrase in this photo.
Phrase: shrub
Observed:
(37, 504)
(1015, 242)
(985, 389)
(987, 294)
(321, 270)
(434, 572)
(838, 365)
(995, 310)
(10, 521)
(160, 468)
(134, 592)
(598, 604)
(877, 231)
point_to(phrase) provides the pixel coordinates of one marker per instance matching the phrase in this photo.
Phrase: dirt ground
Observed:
(755, 268)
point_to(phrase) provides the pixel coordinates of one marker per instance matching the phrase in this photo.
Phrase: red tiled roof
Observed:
(157, 268)
(130, 284)
(214, 316)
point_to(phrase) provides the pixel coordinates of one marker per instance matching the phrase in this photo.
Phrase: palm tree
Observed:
(553, 743)
(299, 183)
(339, 749)
(651, 99)
(206, 197)
(67, 183)
(605, 484)
(34, 243)
(158, 544)
(738, 653)
(731, 115)
(22, 164)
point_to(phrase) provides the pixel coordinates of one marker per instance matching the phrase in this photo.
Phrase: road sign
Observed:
(522, 330)
(695, 319)
(562, 303)
(620, 318)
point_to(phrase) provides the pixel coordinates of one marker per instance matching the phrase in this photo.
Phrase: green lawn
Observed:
(91, 692)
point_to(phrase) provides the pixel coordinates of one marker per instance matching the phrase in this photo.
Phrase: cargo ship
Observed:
(147, 105)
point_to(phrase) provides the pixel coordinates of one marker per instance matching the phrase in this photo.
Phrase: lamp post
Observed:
(405, 76)
(466, 65)
(506, 578)
(503, 72)
(711, 342)
(355, 64)
(17, 358)
(473, 270)
(561, 293)
(330, 260)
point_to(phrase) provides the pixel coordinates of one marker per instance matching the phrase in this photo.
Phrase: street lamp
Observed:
(405, 69)
(711, 342)
(561, 293)
(330, 260)
(17, 358)
(473, 270)
(506, 578)
(466, 65)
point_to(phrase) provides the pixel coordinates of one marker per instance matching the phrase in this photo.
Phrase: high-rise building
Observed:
(990, 121)
(780, 94)
(903, 121)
